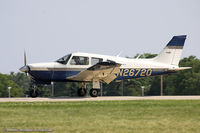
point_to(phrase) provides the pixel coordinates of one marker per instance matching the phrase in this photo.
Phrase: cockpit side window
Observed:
(79, 60)
(96, 60)
(64, 59)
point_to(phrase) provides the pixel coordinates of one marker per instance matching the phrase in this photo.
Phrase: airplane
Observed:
(96, 68)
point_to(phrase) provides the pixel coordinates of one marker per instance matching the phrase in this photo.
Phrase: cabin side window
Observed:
(79, 60)
(95, 60)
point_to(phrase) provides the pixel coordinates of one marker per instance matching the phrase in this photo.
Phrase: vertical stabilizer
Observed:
(171, 54)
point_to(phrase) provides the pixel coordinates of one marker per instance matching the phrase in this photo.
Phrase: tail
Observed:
(171, 54)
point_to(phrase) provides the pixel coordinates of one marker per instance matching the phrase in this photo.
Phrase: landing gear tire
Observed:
(81, 92)
(33, 93)
(94, 92)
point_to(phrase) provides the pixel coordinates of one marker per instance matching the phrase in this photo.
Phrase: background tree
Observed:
(185, 82)
(6, 82)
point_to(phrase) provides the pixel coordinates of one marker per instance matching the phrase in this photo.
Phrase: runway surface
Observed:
(104, 98)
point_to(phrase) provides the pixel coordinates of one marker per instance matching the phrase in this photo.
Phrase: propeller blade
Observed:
(25, 63)
(24, 58)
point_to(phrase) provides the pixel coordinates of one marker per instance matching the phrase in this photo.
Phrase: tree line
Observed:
(185, 82)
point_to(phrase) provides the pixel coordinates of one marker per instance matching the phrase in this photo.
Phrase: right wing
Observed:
(104, 71)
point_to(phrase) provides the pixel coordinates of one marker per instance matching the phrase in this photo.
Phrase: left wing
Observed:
(104, 71)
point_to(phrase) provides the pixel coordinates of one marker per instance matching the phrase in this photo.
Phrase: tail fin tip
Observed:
(177, 40)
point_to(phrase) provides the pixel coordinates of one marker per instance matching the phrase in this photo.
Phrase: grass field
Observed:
(166, 116)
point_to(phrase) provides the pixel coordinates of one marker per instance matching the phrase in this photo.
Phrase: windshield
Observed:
(64, 59)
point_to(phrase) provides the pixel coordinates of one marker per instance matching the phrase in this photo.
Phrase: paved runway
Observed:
(106, 98)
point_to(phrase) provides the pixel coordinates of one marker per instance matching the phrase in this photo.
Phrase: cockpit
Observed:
(64, 59)
(78, 60)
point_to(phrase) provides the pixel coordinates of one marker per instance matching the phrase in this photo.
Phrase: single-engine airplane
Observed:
(95, 68)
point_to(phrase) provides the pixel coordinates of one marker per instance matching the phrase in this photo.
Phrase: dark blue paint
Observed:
(62, 75)
(52, 75)
(41, 75)
(177, 41)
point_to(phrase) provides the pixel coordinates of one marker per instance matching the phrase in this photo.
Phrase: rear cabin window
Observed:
(79, 60)
(96, 60)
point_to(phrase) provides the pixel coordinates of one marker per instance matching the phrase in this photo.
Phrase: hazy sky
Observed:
(49, 29)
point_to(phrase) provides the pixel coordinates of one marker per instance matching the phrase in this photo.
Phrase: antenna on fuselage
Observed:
(138, 56)
(119, 54)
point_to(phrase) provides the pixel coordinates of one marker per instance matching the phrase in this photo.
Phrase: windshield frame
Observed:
(64, 60)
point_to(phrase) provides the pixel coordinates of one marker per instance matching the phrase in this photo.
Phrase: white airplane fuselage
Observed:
(130, 68)
(96, 68)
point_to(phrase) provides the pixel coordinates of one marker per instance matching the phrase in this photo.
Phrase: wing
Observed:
(104, 71)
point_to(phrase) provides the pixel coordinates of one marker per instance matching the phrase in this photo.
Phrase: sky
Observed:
(50, 29)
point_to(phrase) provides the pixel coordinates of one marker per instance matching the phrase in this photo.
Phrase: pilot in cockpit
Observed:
(77, 60)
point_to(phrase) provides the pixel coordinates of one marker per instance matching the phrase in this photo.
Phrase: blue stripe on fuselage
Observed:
(124, 74)
(52, 75)
(63, 75)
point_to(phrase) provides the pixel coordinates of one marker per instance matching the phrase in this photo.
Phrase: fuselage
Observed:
(61, 70)
(95, 68)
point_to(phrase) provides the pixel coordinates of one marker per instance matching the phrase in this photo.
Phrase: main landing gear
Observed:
(93, 92)
(82, 90)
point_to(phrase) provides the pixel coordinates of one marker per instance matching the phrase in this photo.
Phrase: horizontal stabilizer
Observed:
(180, 69)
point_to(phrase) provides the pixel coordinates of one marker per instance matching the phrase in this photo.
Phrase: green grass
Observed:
(166, 116)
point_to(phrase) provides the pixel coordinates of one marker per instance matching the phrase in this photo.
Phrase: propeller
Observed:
(25, 68)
